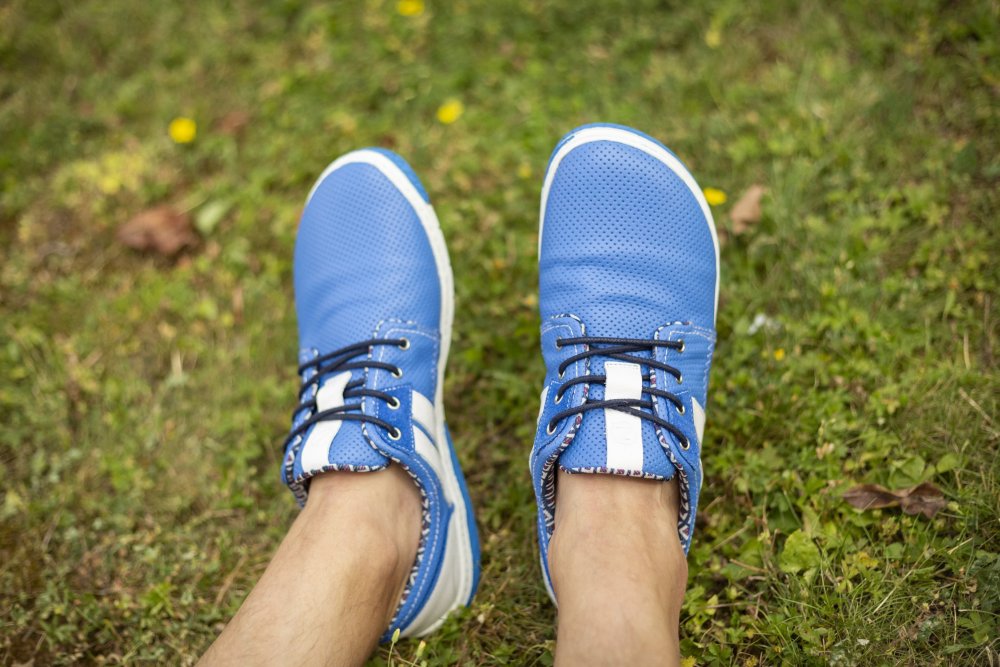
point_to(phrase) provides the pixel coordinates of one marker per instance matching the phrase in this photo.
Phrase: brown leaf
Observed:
(233, 123)
(924, 498)
(746, 211)
(238, 304)
(162, 229)
(870, 497)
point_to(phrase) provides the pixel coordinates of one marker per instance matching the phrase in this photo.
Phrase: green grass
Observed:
(143, 401)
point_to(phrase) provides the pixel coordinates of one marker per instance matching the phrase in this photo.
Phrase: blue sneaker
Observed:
(628, 289)
(374, 299)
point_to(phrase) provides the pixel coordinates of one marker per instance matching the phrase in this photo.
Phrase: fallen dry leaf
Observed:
(233, 123)
(870, 497)
(746, 211)
(162, 229)
(923, 498)
(238, 304)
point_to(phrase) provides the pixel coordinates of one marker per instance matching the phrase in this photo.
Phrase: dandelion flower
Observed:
(449, 112)
(410, 7)
(182, 130)
(715, 197)
(779, 354)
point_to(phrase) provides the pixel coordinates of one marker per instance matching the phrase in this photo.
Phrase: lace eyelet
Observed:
(405, 345)
(685, 444)
(680, 379)
(549, 429)
(681, 410)
(559, 398)
(558, 343)
(397, 436)
(398, 373)
(561, 374)
(394, 403)
(682, 347)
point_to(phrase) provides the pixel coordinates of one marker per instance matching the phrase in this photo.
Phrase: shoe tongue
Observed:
(613, 442)
(335, 443)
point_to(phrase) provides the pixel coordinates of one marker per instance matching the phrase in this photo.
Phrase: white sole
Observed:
(458, 549)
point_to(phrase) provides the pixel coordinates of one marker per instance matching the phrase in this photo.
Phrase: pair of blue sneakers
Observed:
(628, 287)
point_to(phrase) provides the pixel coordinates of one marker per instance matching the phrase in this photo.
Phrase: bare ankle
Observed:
(618, 569)
(384, 505)
(641, 512)
(346, 556)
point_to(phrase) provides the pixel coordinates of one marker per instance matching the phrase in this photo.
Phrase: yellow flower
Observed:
(450, 111)
(182, 130)
(779, 354)
(688, 661)
(865, 560)
(713, 38)
(524, 170)
(715, 197)
(410, 7)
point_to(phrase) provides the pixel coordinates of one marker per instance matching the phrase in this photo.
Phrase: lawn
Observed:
(144, 398)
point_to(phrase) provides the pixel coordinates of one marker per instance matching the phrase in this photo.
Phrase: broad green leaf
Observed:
(800, 553)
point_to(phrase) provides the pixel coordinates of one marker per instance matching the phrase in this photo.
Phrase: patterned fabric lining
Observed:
(548, 468)
(425, 531)
(621, 472)
(685, 517)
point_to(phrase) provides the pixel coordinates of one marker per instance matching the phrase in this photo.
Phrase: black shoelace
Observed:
(340, 361)
(622, 349)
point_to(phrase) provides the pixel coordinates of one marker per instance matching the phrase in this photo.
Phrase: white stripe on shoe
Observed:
(423, 413)
(316, 451)
(699, 418)
(623, 432)
(426, 449)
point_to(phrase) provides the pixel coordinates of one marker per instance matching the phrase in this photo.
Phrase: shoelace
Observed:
(623, 350)
(339, 361)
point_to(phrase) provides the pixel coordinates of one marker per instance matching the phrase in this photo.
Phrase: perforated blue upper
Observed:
(625, 245)
(361, 257)
(626, 250)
